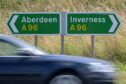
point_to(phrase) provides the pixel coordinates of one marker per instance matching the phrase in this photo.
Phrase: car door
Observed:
(16, 69)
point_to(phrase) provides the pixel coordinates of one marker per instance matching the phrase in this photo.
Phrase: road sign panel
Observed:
(92, 23)
(72, 23)
(34, 23)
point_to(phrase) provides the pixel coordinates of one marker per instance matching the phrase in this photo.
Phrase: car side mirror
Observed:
(24, 52)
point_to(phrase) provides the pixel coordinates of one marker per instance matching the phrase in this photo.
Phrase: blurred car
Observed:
(21, 63)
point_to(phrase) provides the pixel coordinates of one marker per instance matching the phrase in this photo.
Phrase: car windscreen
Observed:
(22, 45)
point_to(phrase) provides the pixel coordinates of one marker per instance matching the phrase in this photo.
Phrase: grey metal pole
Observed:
(92, 45)
(36, 40)
(63, 29)
(62, 44)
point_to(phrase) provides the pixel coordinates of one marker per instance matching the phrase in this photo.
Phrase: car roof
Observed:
(11, 39)
(6, 37)
(3, 35)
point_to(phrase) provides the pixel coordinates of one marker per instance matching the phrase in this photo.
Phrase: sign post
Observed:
(63, 29)
(92, 24)
(92, 45)
(36, 40)
(72, 24)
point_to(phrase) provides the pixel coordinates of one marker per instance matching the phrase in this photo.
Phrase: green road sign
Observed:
(34, 23)
(92, 23)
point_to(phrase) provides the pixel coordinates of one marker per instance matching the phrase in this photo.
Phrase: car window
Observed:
(7, 49)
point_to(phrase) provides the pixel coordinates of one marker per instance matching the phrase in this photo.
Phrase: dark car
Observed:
(20, 63)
